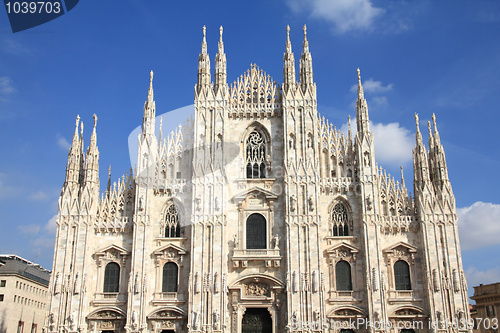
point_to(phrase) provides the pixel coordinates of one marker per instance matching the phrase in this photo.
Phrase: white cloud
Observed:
(6, 87)
(345, 15)
(479, 225)
(37, 196)
(380, 100)
(7, 191)
(51, 225)
(476, 277)
(62, 142)
(393, 143)
(30, 229)
(374, 87)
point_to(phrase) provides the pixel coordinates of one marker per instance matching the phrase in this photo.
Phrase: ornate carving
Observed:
(257, 289)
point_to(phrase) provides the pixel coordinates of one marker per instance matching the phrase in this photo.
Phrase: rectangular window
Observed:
(20, 327)
(490, 311)
(1, 297)
(33, 328)
(2, 283)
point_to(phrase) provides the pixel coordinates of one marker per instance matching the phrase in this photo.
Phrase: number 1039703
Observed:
(33, 7)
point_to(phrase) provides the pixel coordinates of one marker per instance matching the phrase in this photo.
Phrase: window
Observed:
(490, 311)
(340, 220)
(343, 276)
(20, 327)
(256, 232)
(255, 155)
(2, 283)
(111, 278)
(402, 275)
(172, 228)
(1, 297)
(33, 328)
(169, 284)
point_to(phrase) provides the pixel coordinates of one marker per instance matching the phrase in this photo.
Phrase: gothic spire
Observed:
(203, 64)
(440, 172)
(74, 155)
(220, 65)
(362, 119)
(92, 158)
(306, 71)
(148, 121)
(420, 161)
(108, 188)
(288, 63)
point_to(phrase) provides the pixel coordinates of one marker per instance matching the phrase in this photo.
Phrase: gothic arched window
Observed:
(402, 275)
(255, 156)
(343, 276)
(172, 226)
(256, 232)
(169, 284)
(111, 278)
(340, 220)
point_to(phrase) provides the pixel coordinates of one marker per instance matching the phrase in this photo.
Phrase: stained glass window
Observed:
(111, 278)
(343, 276)
(255, 156)
(256, 232)
(172, 227)
(169, 284)
(402, 275)
(340, 220)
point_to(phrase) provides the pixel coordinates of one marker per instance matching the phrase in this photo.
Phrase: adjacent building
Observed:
(23, 295)
(487, 309)
(257, 215)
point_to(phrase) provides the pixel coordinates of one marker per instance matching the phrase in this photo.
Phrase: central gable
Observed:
(255, 89)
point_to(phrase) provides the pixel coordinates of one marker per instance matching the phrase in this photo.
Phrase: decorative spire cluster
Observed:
(148, 121)
(306, 71)
(220, 65)
(288, 64)
(362, 119)
(203, 65)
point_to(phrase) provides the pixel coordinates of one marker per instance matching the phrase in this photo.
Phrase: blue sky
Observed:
(428, 57)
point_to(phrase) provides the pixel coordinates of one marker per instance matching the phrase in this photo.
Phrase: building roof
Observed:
(14, 264)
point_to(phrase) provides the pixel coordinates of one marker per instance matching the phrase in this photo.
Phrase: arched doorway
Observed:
(257, 320)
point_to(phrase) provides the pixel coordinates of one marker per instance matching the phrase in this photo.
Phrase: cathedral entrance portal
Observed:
(257, 320)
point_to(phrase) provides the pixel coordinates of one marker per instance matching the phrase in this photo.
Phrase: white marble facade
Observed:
(257, 209)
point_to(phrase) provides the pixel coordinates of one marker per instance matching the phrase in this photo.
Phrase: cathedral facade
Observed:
(257, 215)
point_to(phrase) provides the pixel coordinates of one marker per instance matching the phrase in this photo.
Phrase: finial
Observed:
(151, 78)
(434, 122)
(77, 120)
(204, 32)
(220, 32)
(416, 119)
(109, 171)
(95, 120)
(429, 127)
(81, 129)
(305, 31)
(359, 75)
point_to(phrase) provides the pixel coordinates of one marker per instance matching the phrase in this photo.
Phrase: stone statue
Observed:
(216, 319)
(76, 284)
(293, 203)
(310, 201)
(276, 240)
(236, 241)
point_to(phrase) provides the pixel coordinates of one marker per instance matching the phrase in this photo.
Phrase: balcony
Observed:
(161, 298)
(344, 296)
(109, 298)
(271, 257)
(396, 296)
